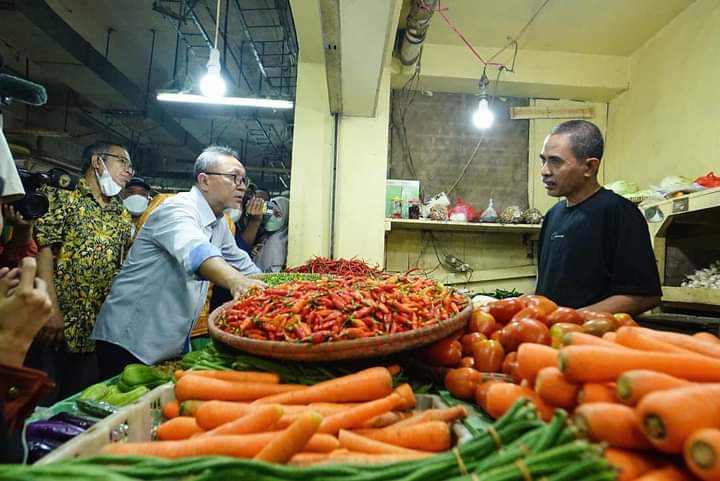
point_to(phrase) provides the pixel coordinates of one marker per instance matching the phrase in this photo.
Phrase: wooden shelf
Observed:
(691, 295)
(423, 224)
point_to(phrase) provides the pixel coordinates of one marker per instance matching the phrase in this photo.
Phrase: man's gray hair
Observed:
(209, 157)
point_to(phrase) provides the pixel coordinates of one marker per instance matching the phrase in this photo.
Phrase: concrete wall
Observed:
(667, 122)
(441, 138)
(311, 179)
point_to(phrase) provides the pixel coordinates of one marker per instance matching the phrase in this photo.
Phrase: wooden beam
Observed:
(524, 113)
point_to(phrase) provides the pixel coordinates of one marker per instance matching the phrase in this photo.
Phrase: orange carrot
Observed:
(669, 417)
(257, 420)
(609, 336)
(501, 396)
(598, 364)
(198, 387)
(614, 424)
(685, 341)
(386, 419)
(702, 454)
(180, 427)
(343, 456)
(481, 393)
(584, 339)
(394, 369)
(553, 388)
(429, 436)
(354, 417)
(290, 441)
(706, 336)
(533, 357)
(241, 446)
(636, 338)
(362, 444)
(406, 396)
(669, 473)
(629, 464)
(171, 409)
(189, 408)
(365, 385)
(634, 385)
(447, 415)
(212, 414)
(596, 392)
(234, 376)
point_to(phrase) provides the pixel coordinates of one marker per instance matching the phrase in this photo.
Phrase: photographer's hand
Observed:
(22, 229)
(24, 307)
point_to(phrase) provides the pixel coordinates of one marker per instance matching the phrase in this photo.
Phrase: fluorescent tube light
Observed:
(233, 101)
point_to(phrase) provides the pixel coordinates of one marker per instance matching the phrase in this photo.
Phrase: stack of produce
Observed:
(94, 403)
(516, 447)
(339, 267)
(652, 396)
(340, 308)
(708, 277)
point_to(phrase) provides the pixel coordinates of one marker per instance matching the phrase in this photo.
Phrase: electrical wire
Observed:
(217, 24)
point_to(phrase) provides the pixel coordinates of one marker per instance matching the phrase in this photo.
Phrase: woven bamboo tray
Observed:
(341, 350)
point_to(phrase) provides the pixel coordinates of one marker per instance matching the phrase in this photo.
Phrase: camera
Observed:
(35, 203)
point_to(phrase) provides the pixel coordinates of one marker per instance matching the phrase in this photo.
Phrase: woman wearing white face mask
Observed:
(273, 255)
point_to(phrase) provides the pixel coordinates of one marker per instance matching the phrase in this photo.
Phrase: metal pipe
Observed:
(418, 21)
(149, 70)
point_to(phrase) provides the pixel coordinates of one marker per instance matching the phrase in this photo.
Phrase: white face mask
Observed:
(274, 224)
(136, 204)
(108, 186)
(234, 214)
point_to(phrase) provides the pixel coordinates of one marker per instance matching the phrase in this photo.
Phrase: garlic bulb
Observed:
(708, 277)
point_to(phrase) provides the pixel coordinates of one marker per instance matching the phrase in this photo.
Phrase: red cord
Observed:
(442, 11)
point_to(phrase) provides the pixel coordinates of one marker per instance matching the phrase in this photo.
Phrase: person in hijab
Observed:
(272, 257)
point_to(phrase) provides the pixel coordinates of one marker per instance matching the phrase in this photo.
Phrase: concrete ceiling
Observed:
(605, 27)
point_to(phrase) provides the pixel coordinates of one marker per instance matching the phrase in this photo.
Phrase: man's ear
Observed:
(592, 165)
(202, 182)
(96, 162)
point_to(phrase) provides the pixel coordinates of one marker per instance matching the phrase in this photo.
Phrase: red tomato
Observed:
(624, 319)
(468, 340)
(505, 309)
(531, 313)
(495, 336)
(462, 382)
(467, 361)
(488, 356)
(559, 330)
(566, 315)
(541, 302)
(446, 352)
(482, 322)
(509, 363)
(524, 330)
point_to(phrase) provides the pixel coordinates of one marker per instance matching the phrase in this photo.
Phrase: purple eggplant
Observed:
(39, 447)
(53, 430)
(83, 423)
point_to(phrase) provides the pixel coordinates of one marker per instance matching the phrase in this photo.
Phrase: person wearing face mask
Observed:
(82, 243)
(136, 197)
(272, 256)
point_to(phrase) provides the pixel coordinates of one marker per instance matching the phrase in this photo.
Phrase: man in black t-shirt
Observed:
(594, 250)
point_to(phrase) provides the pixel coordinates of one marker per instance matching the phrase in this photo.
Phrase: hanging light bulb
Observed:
(212, 84)
(483, 117)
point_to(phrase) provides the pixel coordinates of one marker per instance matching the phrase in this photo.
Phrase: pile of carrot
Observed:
(652, 396)
(358, 417)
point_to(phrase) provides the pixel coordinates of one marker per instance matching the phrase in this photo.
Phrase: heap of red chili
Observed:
(334, 309)
(340, 267)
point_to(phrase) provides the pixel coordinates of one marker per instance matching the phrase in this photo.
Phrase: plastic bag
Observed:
(463, 212)
(709, 180)
(489, 215)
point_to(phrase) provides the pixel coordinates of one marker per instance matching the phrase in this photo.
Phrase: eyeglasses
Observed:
(236, 178)
(126, 162)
